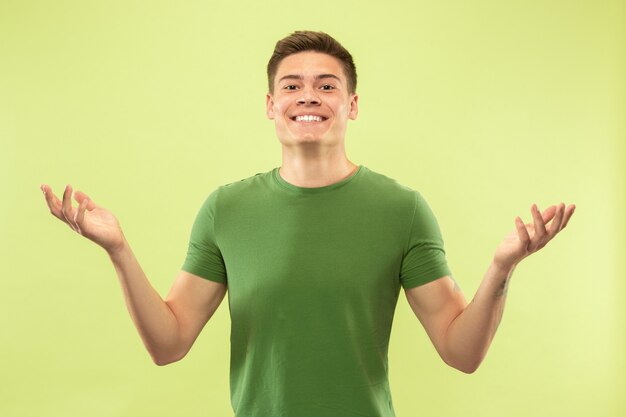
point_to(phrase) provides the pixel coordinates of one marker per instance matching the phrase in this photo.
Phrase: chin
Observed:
(304, 142)
(294, 140)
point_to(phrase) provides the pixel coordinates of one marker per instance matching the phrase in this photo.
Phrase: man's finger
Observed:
(568, 214)
(66, 204)
(80, 196)
(548, 214)
(557, 222)
(540, 228)
(66, 207)
(522, 233)
(54, 204)
(80, 215)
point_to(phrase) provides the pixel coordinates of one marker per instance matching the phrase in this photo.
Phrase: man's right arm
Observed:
(168, 328)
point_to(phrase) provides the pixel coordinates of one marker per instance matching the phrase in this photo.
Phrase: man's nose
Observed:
(308, 97)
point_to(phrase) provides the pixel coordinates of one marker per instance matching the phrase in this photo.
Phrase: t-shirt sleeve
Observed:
(204, 257)
(424, 258)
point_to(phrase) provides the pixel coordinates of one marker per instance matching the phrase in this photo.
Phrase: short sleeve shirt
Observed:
(313, 278)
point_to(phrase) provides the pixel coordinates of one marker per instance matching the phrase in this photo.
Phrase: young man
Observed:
(313, 255)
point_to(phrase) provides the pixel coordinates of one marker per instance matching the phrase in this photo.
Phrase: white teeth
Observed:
(308, 118)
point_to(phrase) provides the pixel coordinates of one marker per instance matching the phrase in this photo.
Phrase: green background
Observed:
(485, 107)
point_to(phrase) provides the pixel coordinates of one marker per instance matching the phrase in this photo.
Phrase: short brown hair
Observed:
(306, 40)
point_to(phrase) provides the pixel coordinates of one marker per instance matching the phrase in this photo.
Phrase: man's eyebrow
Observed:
(299, 77)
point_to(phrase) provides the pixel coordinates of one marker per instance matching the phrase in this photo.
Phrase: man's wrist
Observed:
(502, 276)
(116, 252)
(502, 269)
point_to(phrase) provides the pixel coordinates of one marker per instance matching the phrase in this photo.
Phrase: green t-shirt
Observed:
(313, 279)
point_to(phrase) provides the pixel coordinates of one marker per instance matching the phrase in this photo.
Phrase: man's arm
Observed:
(167, 328)
(462, 332)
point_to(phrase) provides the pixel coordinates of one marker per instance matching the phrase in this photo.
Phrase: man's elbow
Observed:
(161, 359)
(467, 365)
(468, 369)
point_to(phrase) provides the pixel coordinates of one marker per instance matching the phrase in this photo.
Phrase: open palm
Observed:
(528, 238)
(88, 219)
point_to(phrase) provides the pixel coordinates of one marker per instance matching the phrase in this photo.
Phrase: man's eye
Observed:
(290, 87)
(328, 87)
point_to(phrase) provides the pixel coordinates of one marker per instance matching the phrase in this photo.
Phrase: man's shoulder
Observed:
(388, 184)
(241, 187)
(244, 184)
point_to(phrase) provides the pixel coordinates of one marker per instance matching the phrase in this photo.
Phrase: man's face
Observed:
(311, 102)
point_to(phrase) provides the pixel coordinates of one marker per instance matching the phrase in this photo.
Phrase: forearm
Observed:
(154, 320)
(470, 334)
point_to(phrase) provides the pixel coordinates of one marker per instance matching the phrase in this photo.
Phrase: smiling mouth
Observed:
(309, 118)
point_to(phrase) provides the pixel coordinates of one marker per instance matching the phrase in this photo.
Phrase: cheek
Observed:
(279, 108)
(341, 108)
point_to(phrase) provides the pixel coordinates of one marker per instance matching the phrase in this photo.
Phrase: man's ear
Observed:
(269, 106)
(354, 106)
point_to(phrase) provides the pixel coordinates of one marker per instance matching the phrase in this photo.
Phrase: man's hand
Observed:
(529, 238)
(88, 219)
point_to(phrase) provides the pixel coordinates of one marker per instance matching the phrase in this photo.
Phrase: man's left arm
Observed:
(462, 332)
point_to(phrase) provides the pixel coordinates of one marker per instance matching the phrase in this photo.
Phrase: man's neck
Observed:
(316, 173)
